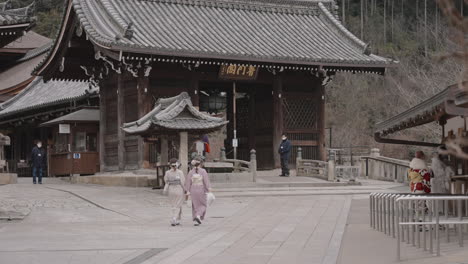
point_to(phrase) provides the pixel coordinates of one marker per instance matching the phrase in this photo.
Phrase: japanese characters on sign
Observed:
(238, 72)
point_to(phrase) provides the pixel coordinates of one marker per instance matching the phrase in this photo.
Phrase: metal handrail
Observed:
(416, 218)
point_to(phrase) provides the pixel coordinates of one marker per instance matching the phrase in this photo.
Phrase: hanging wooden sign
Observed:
(238, 72)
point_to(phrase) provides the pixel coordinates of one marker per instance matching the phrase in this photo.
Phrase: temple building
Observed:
(262, 66)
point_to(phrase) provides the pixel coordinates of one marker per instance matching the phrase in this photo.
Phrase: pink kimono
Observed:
(198, 184)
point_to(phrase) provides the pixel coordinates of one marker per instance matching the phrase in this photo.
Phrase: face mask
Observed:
(284, 138)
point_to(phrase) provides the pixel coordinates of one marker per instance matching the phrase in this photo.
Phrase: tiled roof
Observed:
(422, 112)
(22, 68)
(40, 94)
(175, 113)
(82, 115)
(30, 40)
(271, 31)
(9, 16)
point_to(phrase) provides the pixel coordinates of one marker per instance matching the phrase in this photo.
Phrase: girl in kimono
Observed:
(419, 175)
(197, 186)
(175, 188)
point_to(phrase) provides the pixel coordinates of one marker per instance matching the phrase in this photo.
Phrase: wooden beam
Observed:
(102, 127)
(164, 150)
(120, 121)
(278, 122)
(144, 106)
(252, 131)
(321, 125)
(194, 91)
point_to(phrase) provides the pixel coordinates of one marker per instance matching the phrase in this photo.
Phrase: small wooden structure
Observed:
(170, 116)
(21, 116)
(74, 148)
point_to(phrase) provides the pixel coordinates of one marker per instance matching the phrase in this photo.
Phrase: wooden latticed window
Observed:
(300, 113)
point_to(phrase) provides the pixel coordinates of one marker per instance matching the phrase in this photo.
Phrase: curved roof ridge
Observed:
(115, 20)
(359, 43)
(274, 6)
(35, 52)
(6, 104)
(54, 92)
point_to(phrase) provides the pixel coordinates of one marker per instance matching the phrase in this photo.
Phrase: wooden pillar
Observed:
(230, 125)
(183, 151)
(194, 92)
(102, 127)
(144, 106)
(252, 120)
(164, 150)
(321, 125)
(120, 121)
(278, 122)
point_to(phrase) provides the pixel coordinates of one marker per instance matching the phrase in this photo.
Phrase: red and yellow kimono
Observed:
(419, 177)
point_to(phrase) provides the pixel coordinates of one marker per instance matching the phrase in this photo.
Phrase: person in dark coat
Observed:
(38, 160)
(284, 151)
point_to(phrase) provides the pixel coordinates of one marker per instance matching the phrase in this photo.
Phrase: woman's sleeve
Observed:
(182, 180)
(166, 176)
(188, 183)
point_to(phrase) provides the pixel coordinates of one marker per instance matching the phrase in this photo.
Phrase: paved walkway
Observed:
(67, 223)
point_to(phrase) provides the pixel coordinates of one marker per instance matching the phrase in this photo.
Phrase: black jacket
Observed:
(285, 149)
(38, 157)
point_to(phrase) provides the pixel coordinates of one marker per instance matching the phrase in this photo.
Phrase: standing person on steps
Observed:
(197, 186)
(38, 161)
(284, 151)
(175, 189)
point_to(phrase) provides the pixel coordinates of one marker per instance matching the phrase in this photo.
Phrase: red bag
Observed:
(207, 148)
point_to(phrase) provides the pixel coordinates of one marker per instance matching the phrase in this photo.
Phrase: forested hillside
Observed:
(415, 33)
(49, 15)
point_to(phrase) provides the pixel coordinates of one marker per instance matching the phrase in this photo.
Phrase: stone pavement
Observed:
(376, 247)
(67, 223)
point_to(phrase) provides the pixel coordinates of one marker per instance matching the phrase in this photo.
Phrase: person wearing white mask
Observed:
(38, 160)
(284, 151)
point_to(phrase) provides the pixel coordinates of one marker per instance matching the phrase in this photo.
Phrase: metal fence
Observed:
(418, 219)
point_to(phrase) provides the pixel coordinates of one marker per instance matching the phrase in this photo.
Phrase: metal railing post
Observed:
(437, 229)
(398, 231)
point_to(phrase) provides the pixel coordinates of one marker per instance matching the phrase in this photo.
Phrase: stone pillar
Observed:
(331, 167)
(183, 151)
(164, 150)
(375, 152)
(253, 164)
(223, 154)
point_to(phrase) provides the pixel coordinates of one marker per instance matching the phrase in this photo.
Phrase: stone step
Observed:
(220, 194)
(285, 184)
